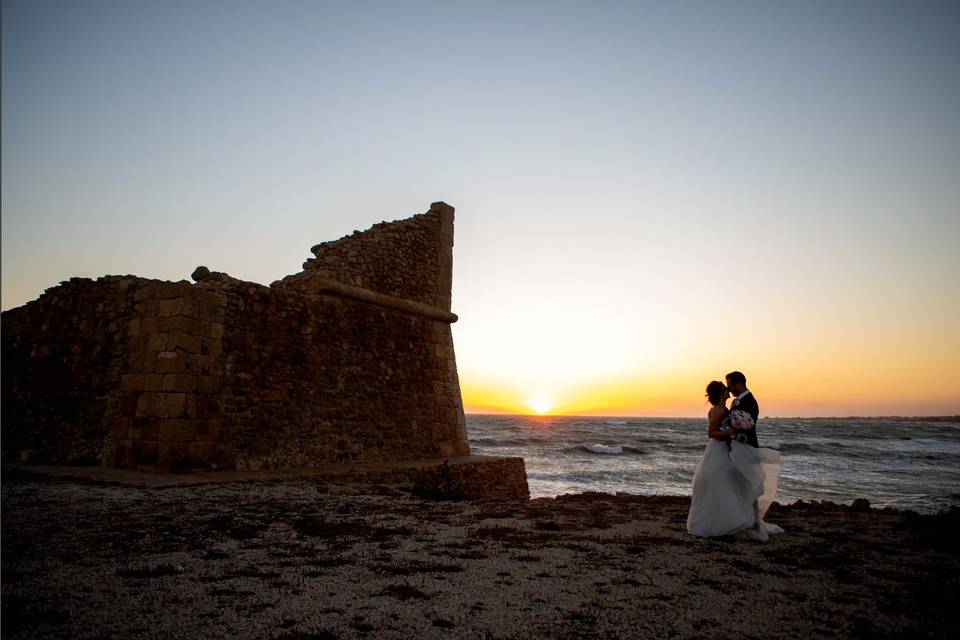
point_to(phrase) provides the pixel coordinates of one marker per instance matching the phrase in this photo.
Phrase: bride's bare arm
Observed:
(715, 418)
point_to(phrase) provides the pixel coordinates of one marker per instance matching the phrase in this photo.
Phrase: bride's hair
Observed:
(715, 391)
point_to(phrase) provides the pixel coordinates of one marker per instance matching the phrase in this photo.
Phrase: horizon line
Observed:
(851, 417)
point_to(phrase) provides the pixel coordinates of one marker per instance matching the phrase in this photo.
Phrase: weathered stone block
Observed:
(143, 361)
(162, 405)
(148, 429)
(207, 429)
(200, 454)
(120, 428)
(171, 362)
(148, 292)
(177, 307)
(211, 347)
(121, 453)
(182, 382)
(174, 290)
(179, 457)
(186, 342)
(275, 395)
(149, 325)
(177, 324)
(145, 453)
(210, 329)
(208, 384)
(147, 308)
(157, 342)
(163, 457)
(141, 382)
(198, 364)
(212, 298)
(177, 431)
(148, 404)
(208, 407)
(128, 404)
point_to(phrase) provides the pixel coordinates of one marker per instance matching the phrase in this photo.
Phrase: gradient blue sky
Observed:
(647, 194)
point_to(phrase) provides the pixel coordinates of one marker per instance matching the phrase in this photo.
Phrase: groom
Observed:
(744, 401)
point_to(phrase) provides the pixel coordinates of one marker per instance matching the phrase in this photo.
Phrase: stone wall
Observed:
(410, 259)
(225, 374)
(323, 379)
(167, 415)
(63, 355)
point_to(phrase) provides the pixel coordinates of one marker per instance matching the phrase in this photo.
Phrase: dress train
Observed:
(733, 487)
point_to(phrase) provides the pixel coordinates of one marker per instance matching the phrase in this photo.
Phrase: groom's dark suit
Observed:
(749, 404)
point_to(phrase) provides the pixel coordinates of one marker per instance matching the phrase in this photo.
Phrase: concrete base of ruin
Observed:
(471, 477)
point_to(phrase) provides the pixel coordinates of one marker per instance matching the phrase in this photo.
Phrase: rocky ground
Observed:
(308, 560)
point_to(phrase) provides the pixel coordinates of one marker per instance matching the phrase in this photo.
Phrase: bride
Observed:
(734, 483)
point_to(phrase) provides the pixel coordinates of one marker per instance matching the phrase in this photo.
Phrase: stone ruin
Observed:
(350, 361)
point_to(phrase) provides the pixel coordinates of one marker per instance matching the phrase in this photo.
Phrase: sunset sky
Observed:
(648, 195)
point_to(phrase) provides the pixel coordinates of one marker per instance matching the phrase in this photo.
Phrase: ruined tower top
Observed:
(410, 259)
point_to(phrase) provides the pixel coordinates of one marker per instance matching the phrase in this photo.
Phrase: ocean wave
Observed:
(821, 447)
(853, 452)
(616, 422)
(504, 442)
(917, 445)
(607, 449)
(602, 448)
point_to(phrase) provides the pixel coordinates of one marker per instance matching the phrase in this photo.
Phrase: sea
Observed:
(901, 463)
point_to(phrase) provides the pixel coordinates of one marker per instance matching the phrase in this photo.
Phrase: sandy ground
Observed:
(308, 560)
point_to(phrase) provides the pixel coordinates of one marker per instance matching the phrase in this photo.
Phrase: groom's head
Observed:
(736, 382)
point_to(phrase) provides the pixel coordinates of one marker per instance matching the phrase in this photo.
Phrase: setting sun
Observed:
(541, 405)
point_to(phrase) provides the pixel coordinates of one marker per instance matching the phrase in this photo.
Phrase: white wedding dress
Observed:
(733, 486)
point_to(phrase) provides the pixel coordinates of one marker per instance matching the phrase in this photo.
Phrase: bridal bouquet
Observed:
(739, 420)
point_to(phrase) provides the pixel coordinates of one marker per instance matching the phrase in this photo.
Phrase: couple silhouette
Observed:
(736, 479)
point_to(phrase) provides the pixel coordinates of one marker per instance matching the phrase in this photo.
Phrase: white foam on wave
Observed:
(772, 445)
(602, 448)
(616, 422)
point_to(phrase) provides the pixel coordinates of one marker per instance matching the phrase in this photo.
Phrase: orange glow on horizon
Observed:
(811, 388)
(541, 405)
(648, 346)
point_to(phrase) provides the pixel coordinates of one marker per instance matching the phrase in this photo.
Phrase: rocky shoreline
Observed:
(295, 559)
